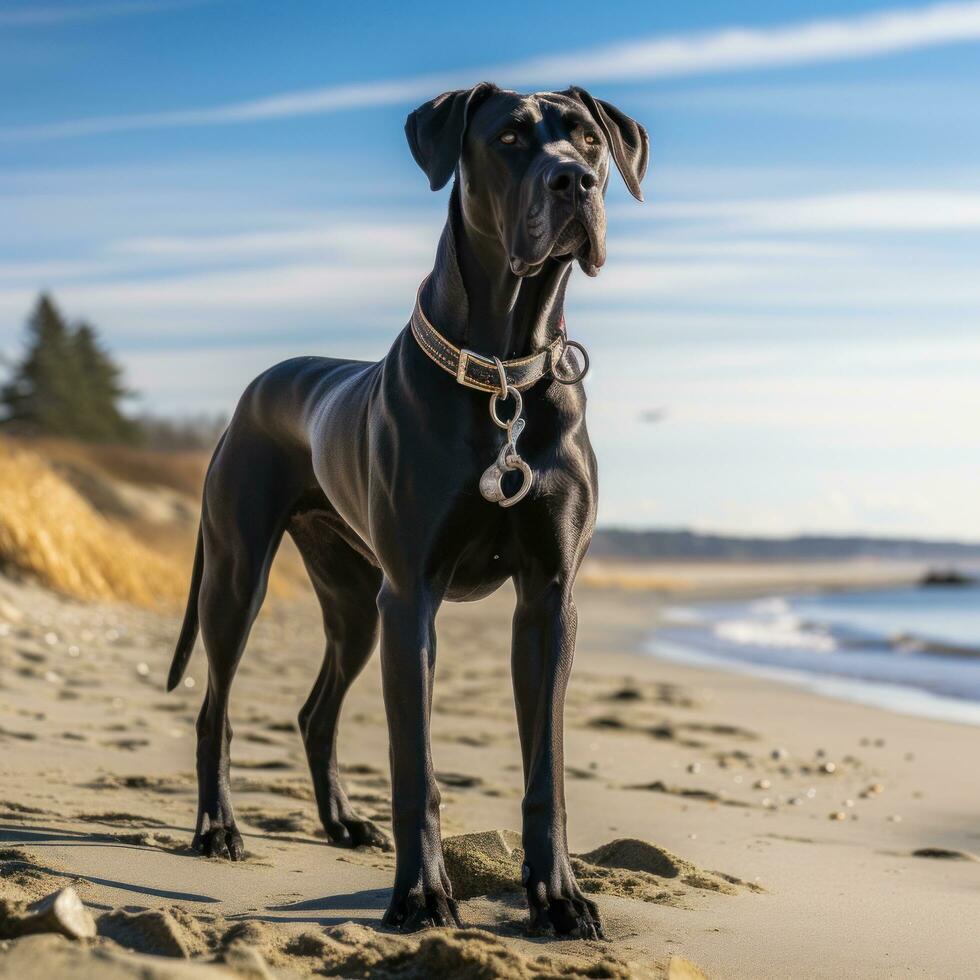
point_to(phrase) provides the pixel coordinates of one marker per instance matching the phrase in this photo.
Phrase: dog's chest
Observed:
(476, 556)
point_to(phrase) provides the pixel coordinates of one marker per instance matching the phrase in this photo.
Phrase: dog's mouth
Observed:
(578, 239)
(570, 240)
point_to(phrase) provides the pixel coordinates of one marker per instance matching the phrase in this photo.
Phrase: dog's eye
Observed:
(508, 136)
(591, 138)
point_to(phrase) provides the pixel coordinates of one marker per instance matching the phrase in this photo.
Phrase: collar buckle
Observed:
(465, 356)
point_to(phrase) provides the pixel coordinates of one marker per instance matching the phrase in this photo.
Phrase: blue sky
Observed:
(218, 185)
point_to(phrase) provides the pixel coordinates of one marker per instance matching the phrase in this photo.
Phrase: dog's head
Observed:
(533, 169)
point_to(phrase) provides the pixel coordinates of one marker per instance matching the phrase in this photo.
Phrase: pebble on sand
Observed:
(61, 912)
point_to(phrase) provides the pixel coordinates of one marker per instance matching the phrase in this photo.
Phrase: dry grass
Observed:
(48, 532)
(67, 533)
(180, 471)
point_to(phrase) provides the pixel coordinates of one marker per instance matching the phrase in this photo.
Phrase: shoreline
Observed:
(905, 700)
(816, 648)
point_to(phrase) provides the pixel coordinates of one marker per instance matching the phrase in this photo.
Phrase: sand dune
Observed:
(51, 533)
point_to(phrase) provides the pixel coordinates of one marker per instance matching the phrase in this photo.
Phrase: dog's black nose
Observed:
(568, 179)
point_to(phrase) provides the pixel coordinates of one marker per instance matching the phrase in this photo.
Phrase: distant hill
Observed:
(681, 545)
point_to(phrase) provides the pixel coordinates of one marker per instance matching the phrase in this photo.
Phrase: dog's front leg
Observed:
(422, 894)
(545, 623)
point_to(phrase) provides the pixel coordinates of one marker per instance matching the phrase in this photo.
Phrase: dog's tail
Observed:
(188, 632)
(191, 626)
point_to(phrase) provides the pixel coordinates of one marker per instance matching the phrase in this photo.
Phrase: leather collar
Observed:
(476, 371)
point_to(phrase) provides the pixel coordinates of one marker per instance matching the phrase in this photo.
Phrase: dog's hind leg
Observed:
(347, 586)
(246, 503)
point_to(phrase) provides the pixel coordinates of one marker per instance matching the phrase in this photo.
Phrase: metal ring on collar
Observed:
(557, 359)
(511, 393)
(505, 392)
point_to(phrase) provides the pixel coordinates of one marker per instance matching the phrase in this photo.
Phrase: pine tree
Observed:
(98, 397)
(67, 384)
(40, 396)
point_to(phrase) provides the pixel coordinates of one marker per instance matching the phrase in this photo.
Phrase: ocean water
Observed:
(912, 650)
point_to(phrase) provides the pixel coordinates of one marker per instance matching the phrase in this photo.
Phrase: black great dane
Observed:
(401, 490)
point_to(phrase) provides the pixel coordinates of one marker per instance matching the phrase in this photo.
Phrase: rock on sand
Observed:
(61, 912)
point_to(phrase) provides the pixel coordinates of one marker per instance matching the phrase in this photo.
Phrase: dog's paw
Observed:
(421, 909)
(559, 906)
(355, 832)
(219, 841)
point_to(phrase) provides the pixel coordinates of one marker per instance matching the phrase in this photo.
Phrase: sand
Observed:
(702, 815)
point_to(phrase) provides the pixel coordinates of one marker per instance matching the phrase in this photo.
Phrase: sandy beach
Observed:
(766, 831)
(294, 295)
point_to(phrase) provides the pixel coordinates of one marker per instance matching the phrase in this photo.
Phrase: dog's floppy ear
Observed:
(435, 130)
(628, 140)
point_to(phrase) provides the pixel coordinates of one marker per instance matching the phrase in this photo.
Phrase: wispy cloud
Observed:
(361, 239)
(730, 49)
(218, 297)
(859, 211)
(42, 15)
(365, 243)
(867, 35)
(683, 248)
(740, 252)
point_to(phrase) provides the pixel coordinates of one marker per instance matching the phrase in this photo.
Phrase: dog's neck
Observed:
(475, 301)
